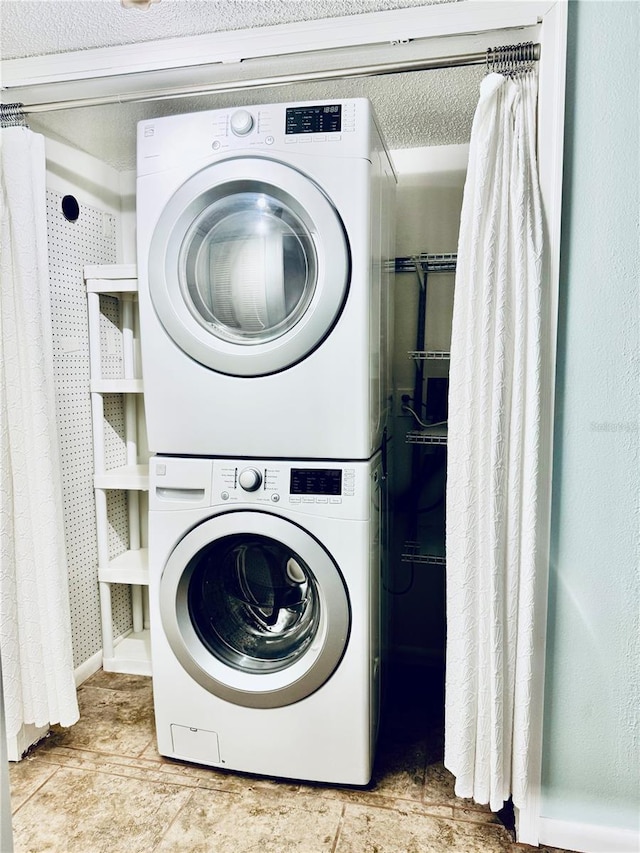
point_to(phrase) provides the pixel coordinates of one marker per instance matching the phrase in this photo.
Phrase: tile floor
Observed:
(101, 787)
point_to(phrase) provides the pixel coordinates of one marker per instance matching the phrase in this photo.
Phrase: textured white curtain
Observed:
(35, 629)
(494, 444)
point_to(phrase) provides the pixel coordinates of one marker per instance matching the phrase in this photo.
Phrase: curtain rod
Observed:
(508, 59)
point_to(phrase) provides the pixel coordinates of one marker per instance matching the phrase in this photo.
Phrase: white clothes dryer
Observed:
(264, 240)
(265, 614)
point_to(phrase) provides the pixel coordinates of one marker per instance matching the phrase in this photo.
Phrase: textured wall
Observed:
(591, 748)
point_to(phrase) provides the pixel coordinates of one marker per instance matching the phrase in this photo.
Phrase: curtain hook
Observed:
(489, 60)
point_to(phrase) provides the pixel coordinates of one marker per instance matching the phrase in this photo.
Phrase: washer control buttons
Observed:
(250, 479)
(241, 122)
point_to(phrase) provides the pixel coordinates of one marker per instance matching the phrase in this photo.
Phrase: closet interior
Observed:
(425, 117)
(99, 385)
(106, 420)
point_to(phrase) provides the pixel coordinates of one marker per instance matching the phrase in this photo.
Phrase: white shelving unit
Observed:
(131, 652)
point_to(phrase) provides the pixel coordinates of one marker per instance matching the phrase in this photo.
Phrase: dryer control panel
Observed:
(280, 124)
(340, 128)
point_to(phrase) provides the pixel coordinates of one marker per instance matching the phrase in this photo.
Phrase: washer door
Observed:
(248, 266)
(255, 609)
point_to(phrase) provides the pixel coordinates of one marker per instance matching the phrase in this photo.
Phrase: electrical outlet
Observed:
(401, 397)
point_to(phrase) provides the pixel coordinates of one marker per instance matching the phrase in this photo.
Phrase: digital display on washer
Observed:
(324, 119)
(316, 481)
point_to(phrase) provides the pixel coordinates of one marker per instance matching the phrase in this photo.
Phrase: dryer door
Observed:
(255, 609)
(248, 266)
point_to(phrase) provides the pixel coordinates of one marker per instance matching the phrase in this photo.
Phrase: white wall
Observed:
(591, 771)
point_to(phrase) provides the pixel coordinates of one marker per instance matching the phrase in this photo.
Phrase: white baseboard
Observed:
(588, 838)
(88, 668)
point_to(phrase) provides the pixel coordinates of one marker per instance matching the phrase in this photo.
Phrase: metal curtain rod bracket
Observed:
(12, 115)
(160, 94)
(512, 59)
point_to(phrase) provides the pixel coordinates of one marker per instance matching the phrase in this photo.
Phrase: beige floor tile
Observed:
(102, 786)
(111, 721)
(393, 786)
(366, 829)
(439, 787)
(26, 777)
(80, 812)
(381, 800)
(117, 765)
(258, 822)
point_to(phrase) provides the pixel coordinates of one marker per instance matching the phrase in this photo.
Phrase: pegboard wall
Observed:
(90, 239)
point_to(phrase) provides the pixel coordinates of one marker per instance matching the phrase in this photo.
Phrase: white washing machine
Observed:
(265, 614)
(264, 236)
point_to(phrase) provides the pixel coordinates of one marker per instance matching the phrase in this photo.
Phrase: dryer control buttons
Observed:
(241, 122)
(250, 479)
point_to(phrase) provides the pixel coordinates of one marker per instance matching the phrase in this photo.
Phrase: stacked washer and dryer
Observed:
(264, 240)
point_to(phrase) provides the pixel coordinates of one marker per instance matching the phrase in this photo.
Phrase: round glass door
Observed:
(249, 266)
(255, 609)
(253, 602)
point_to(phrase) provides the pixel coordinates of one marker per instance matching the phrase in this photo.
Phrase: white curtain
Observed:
(35, 629)
(494, 441)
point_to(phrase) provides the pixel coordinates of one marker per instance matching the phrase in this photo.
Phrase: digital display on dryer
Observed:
(321, 119)
(316, 481)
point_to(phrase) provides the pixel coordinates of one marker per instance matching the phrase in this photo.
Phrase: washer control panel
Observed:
(329, 489)
(297, 485)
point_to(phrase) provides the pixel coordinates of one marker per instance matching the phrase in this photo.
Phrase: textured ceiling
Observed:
(38, 27)
(422, 108)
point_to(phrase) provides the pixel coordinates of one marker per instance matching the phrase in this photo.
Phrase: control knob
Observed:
(250, 479)
(241, 122)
